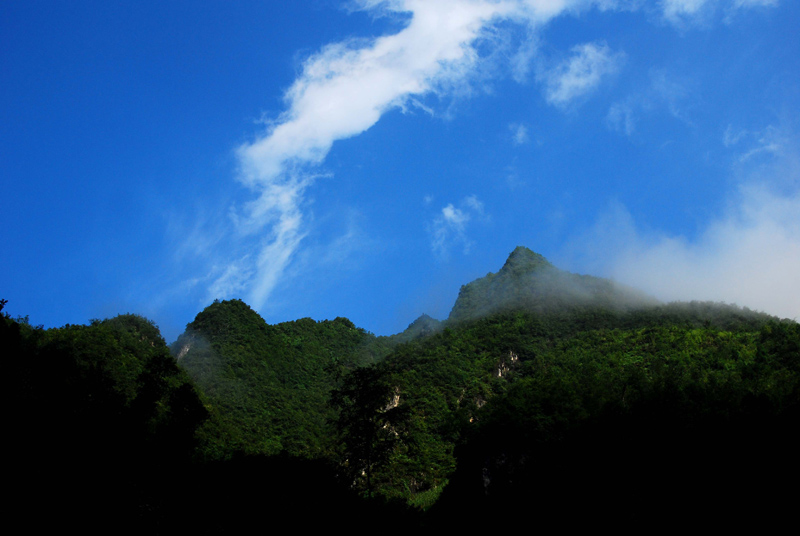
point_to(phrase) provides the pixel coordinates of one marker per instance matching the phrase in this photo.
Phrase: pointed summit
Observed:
(423, 322)
(523, 259)
(421, 327)
(529, 281)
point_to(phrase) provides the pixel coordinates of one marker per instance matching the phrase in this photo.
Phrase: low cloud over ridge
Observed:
(749, 255)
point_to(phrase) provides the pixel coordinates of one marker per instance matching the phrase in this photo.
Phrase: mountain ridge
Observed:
(529, 281)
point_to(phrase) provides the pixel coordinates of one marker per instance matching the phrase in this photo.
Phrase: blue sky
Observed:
(365, 158)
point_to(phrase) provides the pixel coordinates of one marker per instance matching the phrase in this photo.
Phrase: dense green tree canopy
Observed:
(270, 385)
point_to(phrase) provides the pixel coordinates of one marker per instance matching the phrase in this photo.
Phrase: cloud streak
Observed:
(689, 11)
(581, 74)
(450, 227)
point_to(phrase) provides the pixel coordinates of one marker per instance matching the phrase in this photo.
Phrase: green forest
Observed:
(546, 400)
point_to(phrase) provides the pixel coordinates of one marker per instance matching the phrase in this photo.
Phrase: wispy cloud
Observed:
(581, 74)
(769, 142)
(622, 116)
(449, 228)
(342, 91)
(348, 247)
(513, 178)
(681, 12)
(732, 136)
(754, 3)
(671, 92)
(229, 280)
(519, 133)
(664, 93)
(522, 59)
(749, 255)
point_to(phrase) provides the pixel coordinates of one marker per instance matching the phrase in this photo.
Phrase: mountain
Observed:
(420, 328)
(545, 398)
(529, 281)
(269, 384)
(548, 393)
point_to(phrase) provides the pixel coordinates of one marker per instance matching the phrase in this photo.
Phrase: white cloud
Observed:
(582, 73)
(342, 91)
(749, 255)
(676, 10)
(689, 11)
(450, 227)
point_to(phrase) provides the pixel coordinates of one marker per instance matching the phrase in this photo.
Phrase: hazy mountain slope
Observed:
(422, 327)
(270, 384)
(528, 281)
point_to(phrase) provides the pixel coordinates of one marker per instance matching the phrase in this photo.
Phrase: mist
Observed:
(749, 254)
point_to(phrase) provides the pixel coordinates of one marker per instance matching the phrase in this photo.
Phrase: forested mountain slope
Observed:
(269, 385)
(535, 363)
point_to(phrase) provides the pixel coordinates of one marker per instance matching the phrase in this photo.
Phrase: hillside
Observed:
(534, 363)
(268, 385)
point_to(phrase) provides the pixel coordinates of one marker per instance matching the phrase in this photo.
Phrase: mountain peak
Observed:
(529, 281)
(523, 259)
(421, 327)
